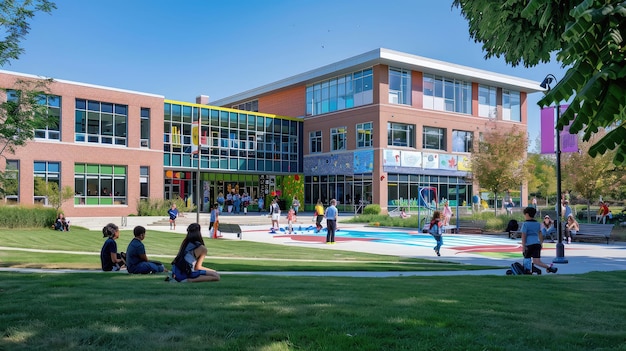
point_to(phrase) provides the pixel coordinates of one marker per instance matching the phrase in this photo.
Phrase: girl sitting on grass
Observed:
(187, 266)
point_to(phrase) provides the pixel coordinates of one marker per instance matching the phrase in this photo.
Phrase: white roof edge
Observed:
(387, 56)
(25, 75)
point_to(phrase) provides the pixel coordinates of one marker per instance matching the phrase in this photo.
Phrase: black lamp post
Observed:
(560, 248)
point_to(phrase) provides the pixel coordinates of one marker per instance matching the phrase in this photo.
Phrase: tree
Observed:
(22, 113)
(543, 180)
(14, 16)
(590, 176)
(56, 197)
(587, 36)
(497, 164)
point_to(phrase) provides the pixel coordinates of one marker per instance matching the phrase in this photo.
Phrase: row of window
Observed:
(440, 93)
(94, 184)
(94, 121)
(339, 93)
(398, 134)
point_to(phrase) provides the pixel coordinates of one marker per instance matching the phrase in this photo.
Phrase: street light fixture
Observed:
(560, 248)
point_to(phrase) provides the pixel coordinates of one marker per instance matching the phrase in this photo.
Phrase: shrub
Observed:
(159, 207)
(27, 217)
(372, 209)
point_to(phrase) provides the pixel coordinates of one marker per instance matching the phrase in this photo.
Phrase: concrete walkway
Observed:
(582, 257)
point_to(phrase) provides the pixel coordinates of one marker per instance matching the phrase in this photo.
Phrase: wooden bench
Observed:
(593, 231)
(470, 226)
(230, 228)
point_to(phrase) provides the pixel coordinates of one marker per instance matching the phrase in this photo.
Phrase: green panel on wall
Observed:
(94, 169)
(120, 169)
(106, 169)
(79, 168)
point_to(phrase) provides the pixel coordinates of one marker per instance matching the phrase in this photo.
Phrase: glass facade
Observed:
(412, 190)
(350, 191)
(341, 92)
(230, 140)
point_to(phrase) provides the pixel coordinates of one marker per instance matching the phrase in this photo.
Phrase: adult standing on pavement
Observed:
(331, 221)
(275, 213)
(319, 214)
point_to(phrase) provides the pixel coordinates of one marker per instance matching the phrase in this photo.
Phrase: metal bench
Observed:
(230, 228)
(593, 231)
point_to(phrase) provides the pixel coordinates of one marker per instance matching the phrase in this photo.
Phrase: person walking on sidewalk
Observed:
(532, 240)
(331, 221)
(173, 213)
(319, 215)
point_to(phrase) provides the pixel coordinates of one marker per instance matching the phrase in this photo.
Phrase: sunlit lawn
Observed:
(98, 311)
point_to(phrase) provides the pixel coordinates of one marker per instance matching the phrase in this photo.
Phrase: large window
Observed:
(511, 106)
(462, 141)
(399, 86)
(100, 122)
(53, 114)
(447, 94)
(12, 181)
(47, 177)
(339, 93)
(434, 138)
(316, 141)
(338, 138)
(399, 134)
(230, 140)
(364, 133)
(487, 101)
(99, 184)
(145, 127)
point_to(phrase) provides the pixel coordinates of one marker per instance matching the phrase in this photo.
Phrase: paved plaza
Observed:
(489, 250)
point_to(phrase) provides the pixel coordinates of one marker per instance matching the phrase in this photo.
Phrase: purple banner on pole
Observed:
(569, 142)
(547, 130)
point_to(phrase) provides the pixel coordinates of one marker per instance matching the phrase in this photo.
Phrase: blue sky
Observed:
(184, 49)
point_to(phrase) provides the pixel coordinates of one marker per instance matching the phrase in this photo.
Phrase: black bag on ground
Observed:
(518, 269)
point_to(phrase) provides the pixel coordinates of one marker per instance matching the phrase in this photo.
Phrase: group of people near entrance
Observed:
(186, 267)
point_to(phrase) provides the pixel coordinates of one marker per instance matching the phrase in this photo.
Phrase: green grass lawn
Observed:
(85, 311)
(224, 255)
(98, 311)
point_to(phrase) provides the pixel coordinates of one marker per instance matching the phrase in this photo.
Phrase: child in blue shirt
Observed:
(532, 239)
